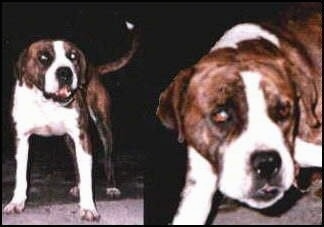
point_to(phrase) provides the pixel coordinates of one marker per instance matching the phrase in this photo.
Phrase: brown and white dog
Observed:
(250, 112)
(56, 93)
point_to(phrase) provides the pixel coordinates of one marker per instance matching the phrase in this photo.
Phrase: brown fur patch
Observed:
(28, 68)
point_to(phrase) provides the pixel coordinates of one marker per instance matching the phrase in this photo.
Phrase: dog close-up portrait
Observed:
(249, 112)
(57, 92)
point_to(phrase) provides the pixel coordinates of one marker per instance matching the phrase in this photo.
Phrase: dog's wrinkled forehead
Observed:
(214, 87)
(210, 87)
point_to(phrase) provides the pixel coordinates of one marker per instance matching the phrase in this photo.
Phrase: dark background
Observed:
(173, 37)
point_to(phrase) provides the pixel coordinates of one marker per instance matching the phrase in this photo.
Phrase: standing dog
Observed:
(56, 93)
(250, 112)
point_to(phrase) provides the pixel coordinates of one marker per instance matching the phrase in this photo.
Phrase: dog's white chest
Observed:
(34, 114)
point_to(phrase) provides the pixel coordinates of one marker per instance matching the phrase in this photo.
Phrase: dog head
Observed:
(55, 67)
(239, 109)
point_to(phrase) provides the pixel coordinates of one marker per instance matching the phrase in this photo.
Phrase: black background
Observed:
(173, 37)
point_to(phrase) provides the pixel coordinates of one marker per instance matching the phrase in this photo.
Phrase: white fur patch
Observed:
(198, 192)
(308, 154)
(243, 32)
(84, 161)
(129, 25)
(34, 114)
(60, 60)
(261, 133)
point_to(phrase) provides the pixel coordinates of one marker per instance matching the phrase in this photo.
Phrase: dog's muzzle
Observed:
(64, 76)
(65, 93)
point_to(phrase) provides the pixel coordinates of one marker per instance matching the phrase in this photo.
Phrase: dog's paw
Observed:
(74, 191)
(14, 208)
(113, 193)
(89, 215)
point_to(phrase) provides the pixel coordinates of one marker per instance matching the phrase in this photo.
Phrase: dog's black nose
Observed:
(266, 163)
(64, 75)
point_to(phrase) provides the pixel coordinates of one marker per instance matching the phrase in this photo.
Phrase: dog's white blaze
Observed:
(34, 114)
(261, 133)
(243, 32)
(60, 60)
(198, 191)
(308, 154)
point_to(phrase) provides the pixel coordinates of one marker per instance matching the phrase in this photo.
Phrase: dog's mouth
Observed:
(264, 197)
(64, 94)
(266, 193)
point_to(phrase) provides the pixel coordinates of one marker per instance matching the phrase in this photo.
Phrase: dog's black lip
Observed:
(58, 99)
(266, 193)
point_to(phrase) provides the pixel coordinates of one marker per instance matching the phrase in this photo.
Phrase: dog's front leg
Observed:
(84, 160)
(17, 203)
(198, 191)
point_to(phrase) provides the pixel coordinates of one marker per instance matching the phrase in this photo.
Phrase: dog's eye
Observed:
(221, 115)
(72, 56)
(282, 111)
(45, 58)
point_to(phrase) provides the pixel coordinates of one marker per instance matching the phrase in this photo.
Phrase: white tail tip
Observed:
(129, 25)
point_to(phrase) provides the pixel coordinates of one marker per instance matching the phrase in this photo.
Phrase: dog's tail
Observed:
(122, 61)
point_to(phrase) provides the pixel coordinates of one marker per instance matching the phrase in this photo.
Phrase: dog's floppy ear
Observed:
(306, 93)
(171, 102)
(84, 70)
(19, 66)
(307, 103)
(300, 70)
